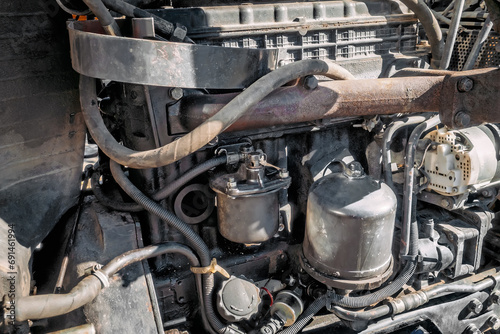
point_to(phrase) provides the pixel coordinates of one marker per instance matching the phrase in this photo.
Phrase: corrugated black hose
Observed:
(193, 238)
(160, 194)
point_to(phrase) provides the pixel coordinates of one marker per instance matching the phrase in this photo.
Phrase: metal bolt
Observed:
(472, 329)
(465, 84)
(284, 173)
(475, 306)
(231, 183)
(310, 82)
(445, 203)
(493, 322)
(495, 297)
(176, 93)
(462, 119)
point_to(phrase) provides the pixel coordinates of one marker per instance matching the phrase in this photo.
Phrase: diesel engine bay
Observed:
(251, 167)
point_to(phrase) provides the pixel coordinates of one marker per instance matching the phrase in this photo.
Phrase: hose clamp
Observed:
(102, 277)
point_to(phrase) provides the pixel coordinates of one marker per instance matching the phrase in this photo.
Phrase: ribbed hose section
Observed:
(193, 238)
(156, 209)
(160, 194)
(314, 308)
(389, 290)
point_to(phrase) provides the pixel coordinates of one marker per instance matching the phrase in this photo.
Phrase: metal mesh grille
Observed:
(488, 56)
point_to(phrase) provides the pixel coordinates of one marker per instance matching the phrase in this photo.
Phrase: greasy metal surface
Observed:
(41, 129)
(349, 233)
(247, 220)
(331, 99)
(479, 103)
(159, 63)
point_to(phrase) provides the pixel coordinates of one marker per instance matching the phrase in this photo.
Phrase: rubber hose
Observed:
(209, 129)
(51, 305)
(304, 319)
(160, 194)
(388, 290)
(365, 315)
(193, 238)
(188, 176)
(409, 181)
(386, 147)
(163, 26)
(107, 22)
(431, 27)
(171, 219)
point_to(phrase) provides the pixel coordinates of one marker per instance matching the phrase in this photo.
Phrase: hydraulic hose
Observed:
(160, 194)
(209, 129)
(108, 23)
(163, 26)
(193, 238)
(419, 298)
(409, 201)
(388, 290)
(386, 148)
(431, 27)
(111, 202)
(51, 305)
(310, 312)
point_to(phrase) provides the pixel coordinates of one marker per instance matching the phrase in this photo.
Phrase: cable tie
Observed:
(212, 268)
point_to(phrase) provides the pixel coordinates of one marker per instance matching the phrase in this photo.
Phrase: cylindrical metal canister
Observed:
(349, 230)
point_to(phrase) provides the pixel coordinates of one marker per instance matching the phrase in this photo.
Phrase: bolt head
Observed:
(310, 82)
(465, 84)
(493, 322)
(495, 297)
(462, 119)
(176, 93)
(475, 306)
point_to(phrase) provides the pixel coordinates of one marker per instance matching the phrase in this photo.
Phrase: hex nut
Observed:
(475, 306)
(310, 82)
(465, 85)
(462, 119)
(493, 322)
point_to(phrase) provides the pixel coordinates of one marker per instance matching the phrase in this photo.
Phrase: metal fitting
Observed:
(465, 84)
(475, 306)
(176, 93)
(472, 329)
(179, 33)
(231, 183)
(462, 119)
(495, 297)
(493, 322)
(284, 173)
(310, 82)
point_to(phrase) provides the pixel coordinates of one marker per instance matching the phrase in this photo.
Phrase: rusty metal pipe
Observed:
(296, 104)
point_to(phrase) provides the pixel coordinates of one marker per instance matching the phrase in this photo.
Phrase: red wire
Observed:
(270, 295)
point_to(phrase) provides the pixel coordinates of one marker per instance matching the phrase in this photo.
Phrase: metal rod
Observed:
(71, 239)
(452, 34)
(478, 44)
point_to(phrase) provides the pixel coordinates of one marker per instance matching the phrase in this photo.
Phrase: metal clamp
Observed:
(102, 277)
(212, 268)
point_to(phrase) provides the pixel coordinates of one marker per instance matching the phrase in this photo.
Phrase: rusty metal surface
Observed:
(159, 63)
(330, 99)
(471, 98)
